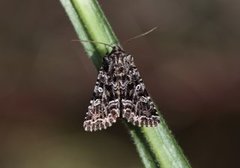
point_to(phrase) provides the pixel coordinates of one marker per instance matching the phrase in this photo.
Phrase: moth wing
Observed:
(104, 108)
(137, 106)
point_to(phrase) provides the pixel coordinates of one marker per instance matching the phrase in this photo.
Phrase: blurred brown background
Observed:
(190, 65)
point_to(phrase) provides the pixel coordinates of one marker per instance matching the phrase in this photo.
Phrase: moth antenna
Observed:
(141, 35)
(97, 42)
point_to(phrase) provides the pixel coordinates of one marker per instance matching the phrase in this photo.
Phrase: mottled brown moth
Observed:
(119, 92)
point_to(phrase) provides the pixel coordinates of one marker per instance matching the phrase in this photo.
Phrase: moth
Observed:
(119, 92)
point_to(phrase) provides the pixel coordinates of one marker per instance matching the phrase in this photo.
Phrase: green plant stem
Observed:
(156, 146)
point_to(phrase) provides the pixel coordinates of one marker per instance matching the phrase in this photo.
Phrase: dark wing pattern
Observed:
(137, 106)
(104, 107)
(119, 90)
